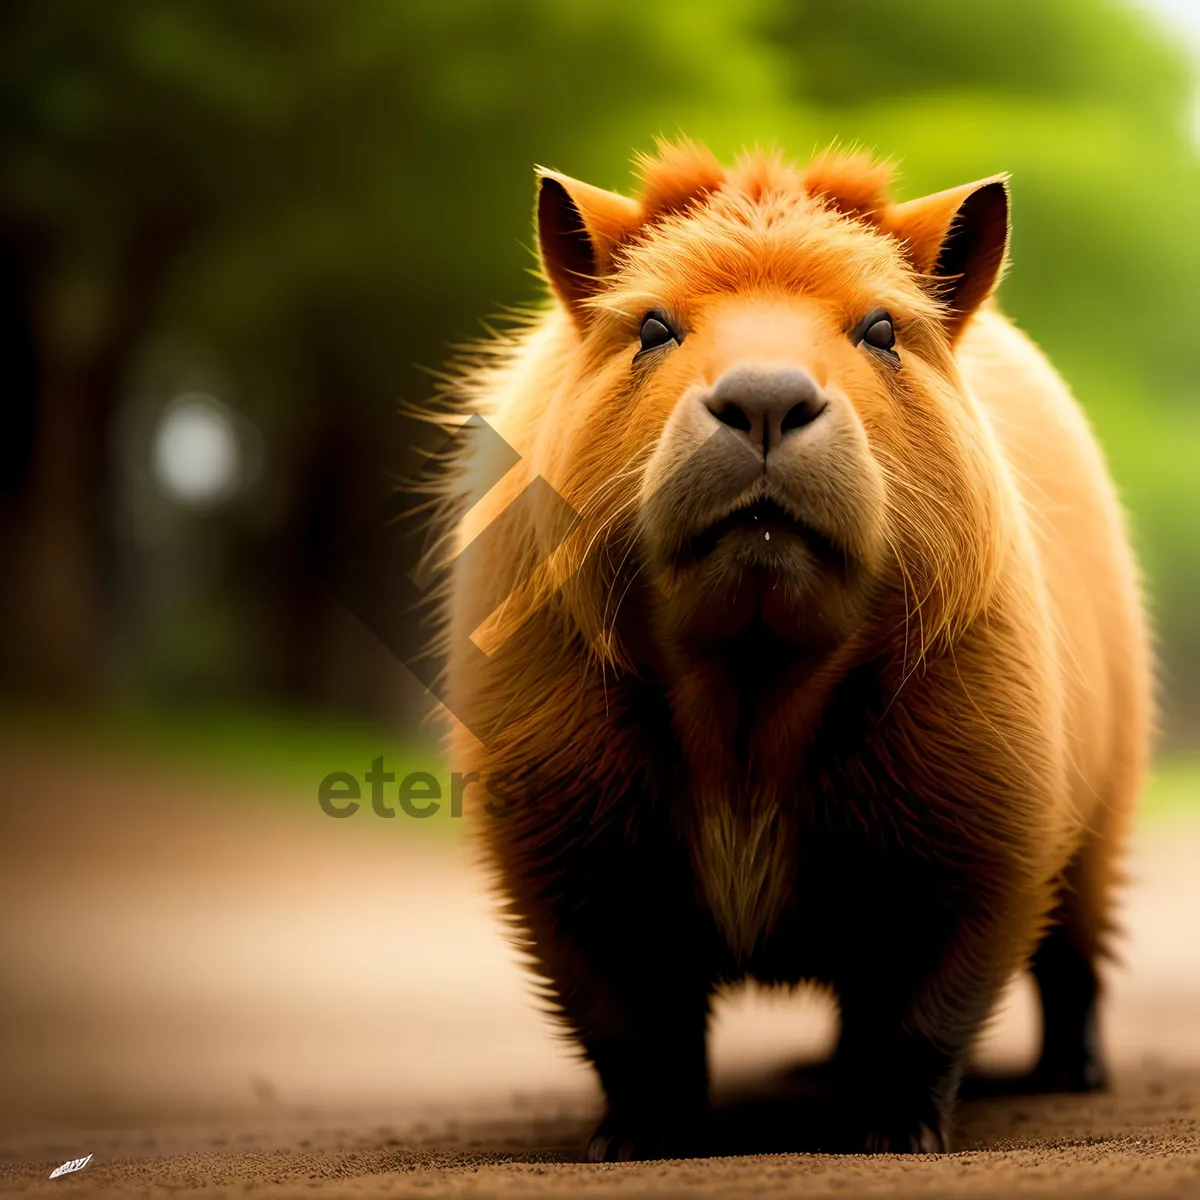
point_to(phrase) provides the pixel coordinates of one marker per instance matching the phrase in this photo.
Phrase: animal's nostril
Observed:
(733, 415)
(801, 414)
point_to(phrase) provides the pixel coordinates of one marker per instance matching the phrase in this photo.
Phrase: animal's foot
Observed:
(624, 1139)
(918, 1137)
(912, 1126)
(1084, 1072)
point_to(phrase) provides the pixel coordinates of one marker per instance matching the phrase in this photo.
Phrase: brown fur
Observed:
(891, 775)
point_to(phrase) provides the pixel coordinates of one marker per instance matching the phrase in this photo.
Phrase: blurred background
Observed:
(236, 238)
(233, 239)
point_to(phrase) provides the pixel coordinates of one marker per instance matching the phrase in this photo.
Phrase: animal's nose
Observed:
(765, 404)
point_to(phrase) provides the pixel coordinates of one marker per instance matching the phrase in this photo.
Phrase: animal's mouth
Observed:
(767, 522)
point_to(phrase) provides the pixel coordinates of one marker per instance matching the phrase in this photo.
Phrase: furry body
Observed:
(895, 754)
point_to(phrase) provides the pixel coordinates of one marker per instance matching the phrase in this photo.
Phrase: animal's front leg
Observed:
(651, 1056)
(909, 1021)
(901, 1087)
(630, 966)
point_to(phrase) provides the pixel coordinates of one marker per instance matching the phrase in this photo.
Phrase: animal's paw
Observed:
(907, 1129)
(918, 1137)
(621, 1139)
(1079, 1073)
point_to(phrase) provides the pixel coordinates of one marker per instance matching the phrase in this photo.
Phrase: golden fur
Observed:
(996, 651)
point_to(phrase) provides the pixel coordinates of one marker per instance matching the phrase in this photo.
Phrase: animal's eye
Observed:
(876, 332)
(657, 330)
(880, 334)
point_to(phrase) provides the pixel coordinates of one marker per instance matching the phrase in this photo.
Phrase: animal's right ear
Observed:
(579, 229)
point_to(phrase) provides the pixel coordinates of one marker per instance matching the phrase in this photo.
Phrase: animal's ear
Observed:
(579, 228)
(958, 240)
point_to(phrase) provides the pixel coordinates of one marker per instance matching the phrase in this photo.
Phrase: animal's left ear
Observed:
(958, 239)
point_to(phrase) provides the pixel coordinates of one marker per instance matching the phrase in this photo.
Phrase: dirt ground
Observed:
(217, 994)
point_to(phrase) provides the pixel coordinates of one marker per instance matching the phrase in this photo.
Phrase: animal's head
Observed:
(754, 401)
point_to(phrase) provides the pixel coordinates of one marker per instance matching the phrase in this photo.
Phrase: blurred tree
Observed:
(106, 180)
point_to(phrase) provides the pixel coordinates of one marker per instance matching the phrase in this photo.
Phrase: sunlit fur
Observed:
(986, 705)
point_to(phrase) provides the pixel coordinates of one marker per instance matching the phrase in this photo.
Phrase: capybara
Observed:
(800, 634)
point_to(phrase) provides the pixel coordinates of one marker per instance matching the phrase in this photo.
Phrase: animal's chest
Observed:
(788, 886)
(746, 861)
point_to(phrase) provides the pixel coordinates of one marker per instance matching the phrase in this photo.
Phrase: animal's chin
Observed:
(761, 569)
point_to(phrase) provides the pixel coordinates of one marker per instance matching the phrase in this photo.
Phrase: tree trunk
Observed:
(56, 529)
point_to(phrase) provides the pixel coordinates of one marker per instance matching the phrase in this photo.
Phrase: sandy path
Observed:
(216, 995)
